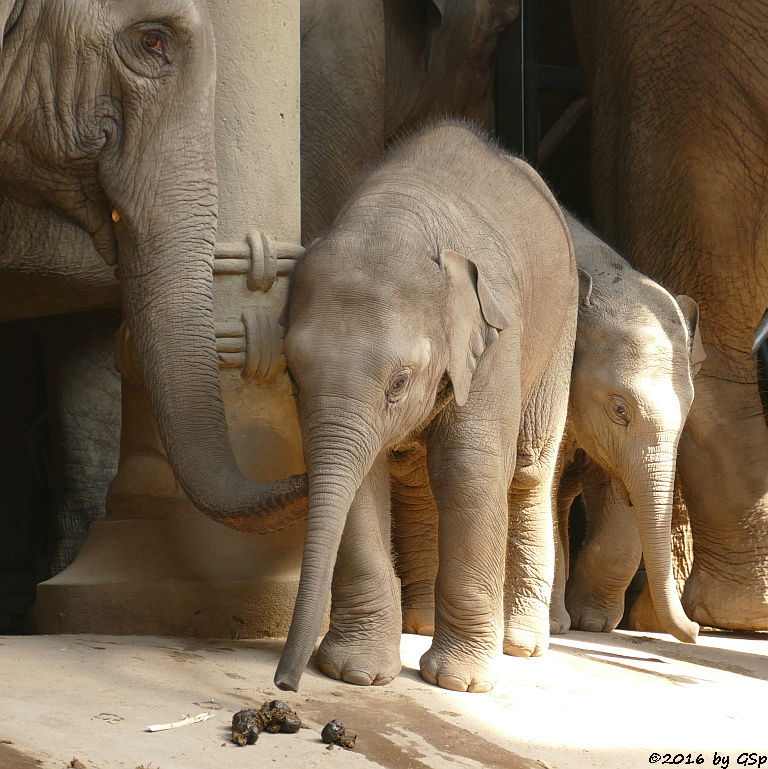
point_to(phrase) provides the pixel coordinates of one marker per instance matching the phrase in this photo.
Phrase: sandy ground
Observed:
(594, 700)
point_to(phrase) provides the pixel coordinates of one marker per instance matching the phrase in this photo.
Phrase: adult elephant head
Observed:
(106, 114)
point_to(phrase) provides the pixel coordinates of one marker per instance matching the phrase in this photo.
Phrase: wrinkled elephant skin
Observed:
(438, 310)
(636, 351)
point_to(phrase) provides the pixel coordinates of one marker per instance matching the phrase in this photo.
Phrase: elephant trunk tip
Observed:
(287, 681)
(687, 632)
(262, 508)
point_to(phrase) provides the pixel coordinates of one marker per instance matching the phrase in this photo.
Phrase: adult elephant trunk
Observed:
(651, 490)
(165, 234)
(339, 453)
(171, 324)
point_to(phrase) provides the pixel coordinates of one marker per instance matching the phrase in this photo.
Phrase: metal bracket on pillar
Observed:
(254, 344)
(258, 257)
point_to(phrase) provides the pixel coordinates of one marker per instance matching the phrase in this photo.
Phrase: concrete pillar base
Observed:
(217, 583)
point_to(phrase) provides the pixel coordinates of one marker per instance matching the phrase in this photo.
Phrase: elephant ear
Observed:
(695, 347)
(476, 319)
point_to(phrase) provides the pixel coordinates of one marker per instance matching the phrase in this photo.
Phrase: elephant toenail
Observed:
(453, 683)
(359, 677)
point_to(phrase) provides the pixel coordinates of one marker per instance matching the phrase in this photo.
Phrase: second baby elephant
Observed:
(637, 349)
(439, 310)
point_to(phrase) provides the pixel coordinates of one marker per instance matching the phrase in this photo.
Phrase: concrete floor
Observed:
(595, 700)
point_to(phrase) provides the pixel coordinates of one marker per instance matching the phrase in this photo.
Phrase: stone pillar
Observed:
(155, 564)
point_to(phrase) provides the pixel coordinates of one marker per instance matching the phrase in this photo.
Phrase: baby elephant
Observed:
(439, 313)
(637, 350)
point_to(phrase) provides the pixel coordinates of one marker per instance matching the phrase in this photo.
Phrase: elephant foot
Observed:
(727, 603)
(418, 602)
(362, 645)
(559, 619)
(595, 619)
(419, 620)
(519, 642)
(526, 629)
(473, 672)
(591, 611)
(372, 663)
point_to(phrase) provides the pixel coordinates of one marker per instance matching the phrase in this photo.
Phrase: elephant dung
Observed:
(272, 717)
(334, 734)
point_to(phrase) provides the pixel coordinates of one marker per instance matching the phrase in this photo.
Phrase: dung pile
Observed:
(271, 717)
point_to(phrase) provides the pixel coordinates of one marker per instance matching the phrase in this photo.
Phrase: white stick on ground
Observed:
(184, 722)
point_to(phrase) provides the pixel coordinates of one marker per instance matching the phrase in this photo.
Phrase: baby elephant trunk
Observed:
(336, 466)
(652, 497)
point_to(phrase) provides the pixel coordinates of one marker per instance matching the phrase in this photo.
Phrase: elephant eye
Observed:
(398, 385)
(619, 411)
(154, 42)
(144, 47)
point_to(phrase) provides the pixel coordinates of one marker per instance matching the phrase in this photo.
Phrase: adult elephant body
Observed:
(106, 115)
(374, 68)
(48, 265)
(438, 311)
(680, 178)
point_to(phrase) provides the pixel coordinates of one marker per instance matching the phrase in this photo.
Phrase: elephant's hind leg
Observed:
(414, 537)
(362, 645)
(722, 463)
(568, 488)
(530, 556)
(84, 418)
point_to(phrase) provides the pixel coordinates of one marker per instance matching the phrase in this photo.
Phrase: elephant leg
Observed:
(568, 488)
(414, 537)
(469, 466)
(362, 645)
(530, 567)
(723, 461)
(84, 418)
(608, 559)
(530, 558)
(343, 104)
